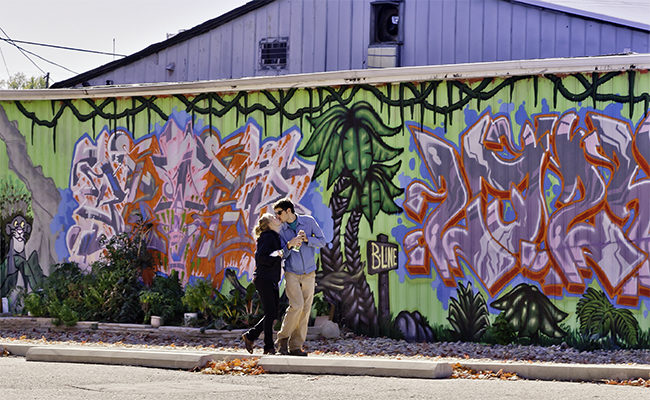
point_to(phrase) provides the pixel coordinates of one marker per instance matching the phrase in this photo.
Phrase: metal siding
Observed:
(170, 57)
(577, 37)
(320, 36)
(345, 34)
(435, 33)
(332, 32)
(533, 35)
(360, 30)
(479, 32)
(295, 22)
(193, 56)
(448, 22)
(504, 32)
(562, 35)
(203, 57)
(215, 54)
(237, 45)
(623, 40)
(250, 46)
(462, 31)
(152, 68)
(592, 38)
(411, 29)
(640, 42)
(608, 39)
(261, 33)
(308, 45)
(226, 51)
(518, 38)
(547, 35)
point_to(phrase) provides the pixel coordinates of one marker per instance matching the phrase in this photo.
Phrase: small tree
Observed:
(20, 81)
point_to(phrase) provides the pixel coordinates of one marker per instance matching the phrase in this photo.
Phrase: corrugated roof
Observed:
(154, 48)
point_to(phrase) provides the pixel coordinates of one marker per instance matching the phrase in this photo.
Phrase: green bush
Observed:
(35, 303)
(164, 299)
(199, 297)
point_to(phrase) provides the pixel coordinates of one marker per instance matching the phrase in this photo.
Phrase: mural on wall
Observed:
(512, 198)
(500, 214)
(349, 145)
(203, 193)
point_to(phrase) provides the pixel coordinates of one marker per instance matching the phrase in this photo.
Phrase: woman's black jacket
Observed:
(267, 267)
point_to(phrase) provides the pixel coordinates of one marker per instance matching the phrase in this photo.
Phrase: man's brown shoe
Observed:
(298, 352)
(248, 343)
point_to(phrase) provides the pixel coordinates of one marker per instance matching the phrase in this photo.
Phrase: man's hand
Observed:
(295, 242)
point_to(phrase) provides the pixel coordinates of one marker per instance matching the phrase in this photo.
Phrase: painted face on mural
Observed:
(18, 229)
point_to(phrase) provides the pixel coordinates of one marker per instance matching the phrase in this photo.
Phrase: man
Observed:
(300, 236)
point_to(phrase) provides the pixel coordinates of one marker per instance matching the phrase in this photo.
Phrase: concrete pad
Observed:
(16, 349)
(141, 358)
(565, 372)
(356, 366)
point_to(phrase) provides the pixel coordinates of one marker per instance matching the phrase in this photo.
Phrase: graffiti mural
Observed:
(203, 194)
(496, 212)
(515, 205)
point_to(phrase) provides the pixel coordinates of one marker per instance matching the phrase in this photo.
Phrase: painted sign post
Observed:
(382, 258)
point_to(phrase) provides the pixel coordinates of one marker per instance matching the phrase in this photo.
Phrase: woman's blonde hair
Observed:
(263, 224)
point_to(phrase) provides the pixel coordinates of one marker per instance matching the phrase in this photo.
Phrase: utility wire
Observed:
(62, 47)
(5, 63)
(23, 51)
(46, 60)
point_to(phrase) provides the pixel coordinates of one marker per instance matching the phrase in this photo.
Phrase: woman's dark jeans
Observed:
(270, 298)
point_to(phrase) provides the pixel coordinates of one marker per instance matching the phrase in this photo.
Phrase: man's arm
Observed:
(315, 237)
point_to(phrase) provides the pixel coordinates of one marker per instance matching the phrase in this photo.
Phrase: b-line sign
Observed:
(381, 255)
(382, 258)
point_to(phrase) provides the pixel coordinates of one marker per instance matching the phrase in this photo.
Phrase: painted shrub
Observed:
(520, 197)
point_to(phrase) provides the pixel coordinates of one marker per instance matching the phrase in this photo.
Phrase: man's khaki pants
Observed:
(300, 291)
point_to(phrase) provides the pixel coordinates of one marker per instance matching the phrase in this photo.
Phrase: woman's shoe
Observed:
(248, 343)
(269, 351)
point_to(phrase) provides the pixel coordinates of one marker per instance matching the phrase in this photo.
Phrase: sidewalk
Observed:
(313, 364)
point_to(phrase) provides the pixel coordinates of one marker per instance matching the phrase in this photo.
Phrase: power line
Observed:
(46, 60)
(22, 51)
(62, 47)
(5, 63)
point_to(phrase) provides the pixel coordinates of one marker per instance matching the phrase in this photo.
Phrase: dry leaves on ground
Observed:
(461, 372)
(629, 382)
(234, 367)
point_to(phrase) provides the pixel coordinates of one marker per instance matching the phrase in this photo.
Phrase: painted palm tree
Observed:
(349, 144)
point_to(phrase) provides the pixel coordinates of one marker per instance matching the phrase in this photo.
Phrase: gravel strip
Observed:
(350, 345)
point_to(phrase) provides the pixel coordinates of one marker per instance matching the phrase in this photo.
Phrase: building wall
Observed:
(524, 194)
(331, 35)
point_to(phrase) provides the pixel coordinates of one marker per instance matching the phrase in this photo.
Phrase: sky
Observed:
(132, 25)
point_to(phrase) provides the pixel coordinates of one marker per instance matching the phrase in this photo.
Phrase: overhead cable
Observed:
(62, 47)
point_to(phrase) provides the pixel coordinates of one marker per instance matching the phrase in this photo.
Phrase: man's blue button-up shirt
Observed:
(302, 261)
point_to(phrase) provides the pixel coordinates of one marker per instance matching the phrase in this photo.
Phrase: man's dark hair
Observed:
(284, 204)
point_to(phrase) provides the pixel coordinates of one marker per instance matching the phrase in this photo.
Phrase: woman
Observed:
(268, 265)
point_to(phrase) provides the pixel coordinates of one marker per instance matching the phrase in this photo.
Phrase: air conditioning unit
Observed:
(383, 56)
(385, 34)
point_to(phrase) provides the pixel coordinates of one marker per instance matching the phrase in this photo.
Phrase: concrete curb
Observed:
(178, 359)
(356, 366)
(139, 358)
(565, 372)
